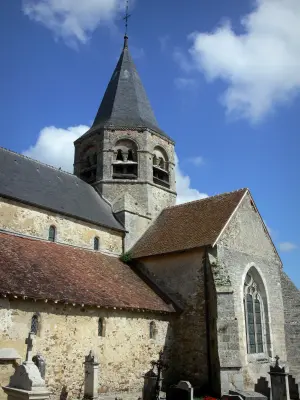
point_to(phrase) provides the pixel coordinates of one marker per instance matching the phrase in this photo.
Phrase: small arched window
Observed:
(101, 327)
(34, 327)
(96, 243)
(52, 233)
(256, 314)
(152, 330)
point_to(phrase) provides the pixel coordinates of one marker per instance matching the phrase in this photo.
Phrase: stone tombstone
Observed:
(91, 373)
(149, 388)
(182, 391)
(40, 363)
(26, 382)
(279, 382)
(247, 395)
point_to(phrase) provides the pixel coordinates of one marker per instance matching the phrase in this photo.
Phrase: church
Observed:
(104, 260)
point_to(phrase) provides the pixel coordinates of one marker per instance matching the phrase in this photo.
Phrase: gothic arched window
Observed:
(256, 314)
(52, 233)
(34, 327)
(96, 243)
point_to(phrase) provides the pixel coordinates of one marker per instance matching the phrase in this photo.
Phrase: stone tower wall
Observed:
(135, 202)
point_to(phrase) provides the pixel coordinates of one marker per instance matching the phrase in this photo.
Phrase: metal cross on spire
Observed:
(127, 16)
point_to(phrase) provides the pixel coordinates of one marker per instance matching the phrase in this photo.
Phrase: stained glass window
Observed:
(253, 316)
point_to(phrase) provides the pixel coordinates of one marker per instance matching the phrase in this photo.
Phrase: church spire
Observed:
(125, 103)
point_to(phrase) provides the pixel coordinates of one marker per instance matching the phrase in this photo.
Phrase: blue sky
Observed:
(226, 91)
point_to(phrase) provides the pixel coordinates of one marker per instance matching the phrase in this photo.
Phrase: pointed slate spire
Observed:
(125, 103)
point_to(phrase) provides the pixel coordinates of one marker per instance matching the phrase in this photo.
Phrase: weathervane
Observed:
(126, 17)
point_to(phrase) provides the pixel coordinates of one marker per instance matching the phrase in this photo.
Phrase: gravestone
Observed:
(26, 382)
(150, 383)
(248, 395)
(91, 369)
(182, 391)
(279, 382)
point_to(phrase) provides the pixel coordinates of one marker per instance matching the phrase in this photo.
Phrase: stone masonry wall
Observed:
(291, 302)
(245, 243)
(32, 221)
(67, 334)
(182, 276)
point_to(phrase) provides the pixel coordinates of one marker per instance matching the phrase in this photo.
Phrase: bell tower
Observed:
(125, 155)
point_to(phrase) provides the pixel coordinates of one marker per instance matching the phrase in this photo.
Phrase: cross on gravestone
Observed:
(29, 343)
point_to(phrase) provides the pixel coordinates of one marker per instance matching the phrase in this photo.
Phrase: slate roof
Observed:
(32, 182)
(45, 270)
(125, 103)
(187, 226)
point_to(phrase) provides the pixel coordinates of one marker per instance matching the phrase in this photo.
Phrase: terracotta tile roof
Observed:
(188, 225)
(44, 270)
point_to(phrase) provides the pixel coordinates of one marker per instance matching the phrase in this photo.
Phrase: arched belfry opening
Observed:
(161, 167)
(256, 314)
(125, 163)
(88, 164)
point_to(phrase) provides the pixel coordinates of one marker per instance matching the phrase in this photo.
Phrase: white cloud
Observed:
(287, 246)
(73, 20)
(185, 192)
(197, 161)
(185, 83)
(260, 66)
(54, 146)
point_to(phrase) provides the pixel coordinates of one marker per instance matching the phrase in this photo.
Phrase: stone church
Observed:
(104, 260)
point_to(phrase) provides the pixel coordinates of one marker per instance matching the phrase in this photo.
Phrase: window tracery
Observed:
(34, 327)
(254, 316)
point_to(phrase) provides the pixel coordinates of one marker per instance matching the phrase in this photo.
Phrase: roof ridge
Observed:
(206, 198)
(37, 161)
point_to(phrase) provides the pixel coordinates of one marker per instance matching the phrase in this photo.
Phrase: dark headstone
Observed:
(149, 388)
(182, 391)
(294, 388)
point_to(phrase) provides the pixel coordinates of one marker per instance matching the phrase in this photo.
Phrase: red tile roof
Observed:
(188, 225)
(44, 270)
